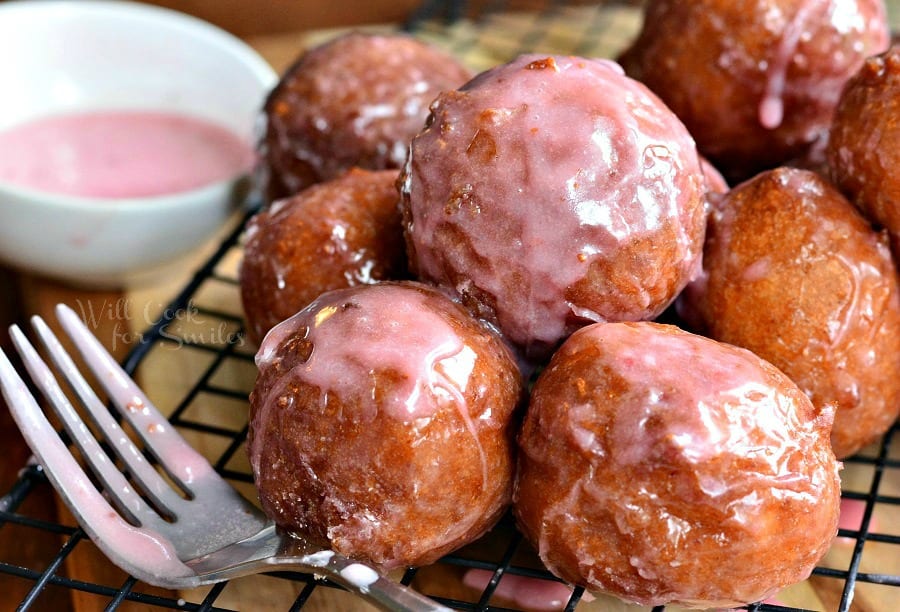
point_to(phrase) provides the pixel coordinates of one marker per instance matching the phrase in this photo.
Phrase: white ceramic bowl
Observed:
(62, 56)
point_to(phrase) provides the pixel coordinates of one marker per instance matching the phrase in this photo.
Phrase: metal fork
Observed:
(199, 530)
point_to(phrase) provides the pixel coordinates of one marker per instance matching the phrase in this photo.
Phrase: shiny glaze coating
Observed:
(794, 273)
(381, 423)
(664, 467)
(755, 81)
(863, 151)
(340, 233)
(356, 100)
(552, 192)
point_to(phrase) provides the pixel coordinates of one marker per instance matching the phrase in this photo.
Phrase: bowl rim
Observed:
(259, 68)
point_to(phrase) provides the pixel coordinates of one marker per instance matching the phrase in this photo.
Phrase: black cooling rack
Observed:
(202, 327)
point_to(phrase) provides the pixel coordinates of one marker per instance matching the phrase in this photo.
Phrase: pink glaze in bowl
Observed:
(99, 56)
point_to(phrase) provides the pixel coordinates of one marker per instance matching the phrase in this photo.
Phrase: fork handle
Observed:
(377, 589)
(273, 551)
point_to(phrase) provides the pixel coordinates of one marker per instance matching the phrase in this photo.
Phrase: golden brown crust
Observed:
(716, 62)
(335, 234)
(356, 100)
(795, 274)
(663, 467)
(551, 192)
(402, 460)
(863, 151)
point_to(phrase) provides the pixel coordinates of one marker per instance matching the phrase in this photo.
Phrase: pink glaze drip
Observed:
(566, 163)
(528, 594)
(122, 541)
(725, 403)
(851, 518)
(771, 108)
(120, 154)
(384, 328)
(758, 270)
(810, 20)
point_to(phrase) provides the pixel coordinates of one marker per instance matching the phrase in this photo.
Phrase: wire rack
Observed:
(198, 368)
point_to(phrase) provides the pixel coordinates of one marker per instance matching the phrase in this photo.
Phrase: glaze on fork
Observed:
(199, 531)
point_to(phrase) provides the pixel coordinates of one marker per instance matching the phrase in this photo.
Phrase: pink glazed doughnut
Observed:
(552, 192)
(356, 100)
(381, 424)
(756, 81)
(793, 272)
(663, 467)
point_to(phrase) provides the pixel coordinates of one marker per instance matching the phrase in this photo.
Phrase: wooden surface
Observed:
(117, 316)
(252, 18)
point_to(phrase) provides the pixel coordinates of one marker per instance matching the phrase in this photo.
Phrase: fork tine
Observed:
(96, 516)
(42, 437)
(152, 484)
(177, 457)
(124, 497)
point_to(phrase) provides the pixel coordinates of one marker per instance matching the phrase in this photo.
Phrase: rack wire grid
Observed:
(198, 368)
